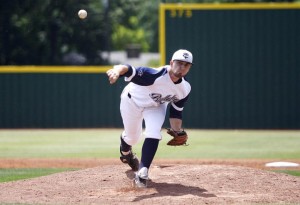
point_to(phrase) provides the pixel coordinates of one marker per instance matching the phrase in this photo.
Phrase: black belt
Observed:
(129, 95)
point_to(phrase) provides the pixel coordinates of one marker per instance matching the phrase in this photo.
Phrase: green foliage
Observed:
(123, 36)
(127, 25)
(148, 16)
(43, 32)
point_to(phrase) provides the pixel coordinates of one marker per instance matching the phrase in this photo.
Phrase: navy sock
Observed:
(148, 152)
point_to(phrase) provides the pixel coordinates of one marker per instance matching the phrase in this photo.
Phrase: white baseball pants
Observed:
(133, 117)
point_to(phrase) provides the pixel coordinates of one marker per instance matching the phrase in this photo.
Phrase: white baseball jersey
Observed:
(151, 87)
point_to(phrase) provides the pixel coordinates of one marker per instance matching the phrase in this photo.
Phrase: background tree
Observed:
(43, 32)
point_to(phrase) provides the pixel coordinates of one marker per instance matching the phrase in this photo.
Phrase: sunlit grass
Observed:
(25, 173)
(104, 143)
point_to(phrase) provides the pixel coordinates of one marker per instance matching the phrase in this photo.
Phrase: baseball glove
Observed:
(179, 137)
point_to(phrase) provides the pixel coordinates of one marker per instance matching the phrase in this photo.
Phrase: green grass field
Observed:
(24, 173)
(104, 143)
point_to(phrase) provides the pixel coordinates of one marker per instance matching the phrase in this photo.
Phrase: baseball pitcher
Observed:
(146, 98)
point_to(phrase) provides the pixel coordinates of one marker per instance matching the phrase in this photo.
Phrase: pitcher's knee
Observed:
(130, 140)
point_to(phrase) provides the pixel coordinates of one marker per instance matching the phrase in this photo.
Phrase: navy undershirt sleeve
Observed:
(146, 76)
(175, 113)
(129, 72)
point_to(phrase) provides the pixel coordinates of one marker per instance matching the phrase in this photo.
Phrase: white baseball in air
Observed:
(82, 14)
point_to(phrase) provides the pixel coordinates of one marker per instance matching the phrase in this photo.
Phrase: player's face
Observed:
(180, 68)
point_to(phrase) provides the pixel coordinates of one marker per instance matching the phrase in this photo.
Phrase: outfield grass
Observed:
(244, 144)
(290, 172)
(104, 143)
(25, 173)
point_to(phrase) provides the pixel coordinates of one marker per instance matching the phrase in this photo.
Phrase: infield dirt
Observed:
(172, 182)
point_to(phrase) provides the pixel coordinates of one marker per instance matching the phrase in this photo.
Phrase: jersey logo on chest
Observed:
(159, 99)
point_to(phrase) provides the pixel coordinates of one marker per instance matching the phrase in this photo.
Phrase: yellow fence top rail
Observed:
(215, 6)
(54, 69)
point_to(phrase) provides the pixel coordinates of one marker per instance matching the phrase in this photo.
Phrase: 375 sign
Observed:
(180, 13)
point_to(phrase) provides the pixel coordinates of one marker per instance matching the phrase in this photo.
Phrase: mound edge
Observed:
(170, 184)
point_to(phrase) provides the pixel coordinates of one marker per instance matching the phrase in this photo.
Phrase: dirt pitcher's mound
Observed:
(171, 184)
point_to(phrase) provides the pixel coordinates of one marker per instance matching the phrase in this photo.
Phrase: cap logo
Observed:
(185, 55)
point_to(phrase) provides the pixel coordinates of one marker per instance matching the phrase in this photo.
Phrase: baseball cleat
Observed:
(141, 178)
(139, 182)
(131, 160)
